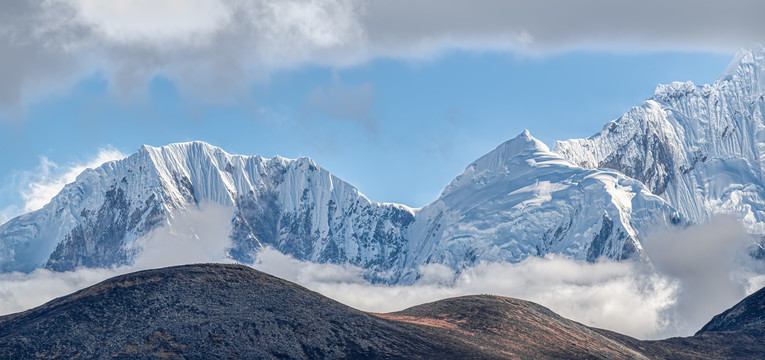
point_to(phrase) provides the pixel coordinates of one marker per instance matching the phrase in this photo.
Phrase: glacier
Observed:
(701, 148)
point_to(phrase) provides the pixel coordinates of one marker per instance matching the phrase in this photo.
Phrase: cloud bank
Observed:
(617, 296)
(219, 46)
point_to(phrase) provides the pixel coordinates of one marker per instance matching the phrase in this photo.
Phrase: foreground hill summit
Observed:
(206, 311)
(232, 311)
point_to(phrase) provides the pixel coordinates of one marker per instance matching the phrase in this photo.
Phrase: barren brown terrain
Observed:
(234, 312)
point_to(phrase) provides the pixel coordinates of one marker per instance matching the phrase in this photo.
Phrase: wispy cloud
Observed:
(37, 187)
(9, 212)
(611, 295)
(20, 291)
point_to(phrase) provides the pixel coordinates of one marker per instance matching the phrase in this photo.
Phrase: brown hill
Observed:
(207, 311)
(512, 328)
(234, 312)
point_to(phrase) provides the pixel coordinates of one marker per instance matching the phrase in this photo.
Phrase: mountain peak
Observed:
(182, 146)
(748, 64)
(674, 89)
(505, 156)
(523, 142)
(522, 145)
(746, 69)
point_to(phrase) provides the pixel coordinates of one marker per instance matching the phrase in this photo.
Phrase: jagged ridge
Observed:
(701, 148)
(292, 205)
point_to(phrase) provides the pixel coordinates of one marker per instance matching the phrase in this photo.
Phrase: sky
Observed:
(395, 97)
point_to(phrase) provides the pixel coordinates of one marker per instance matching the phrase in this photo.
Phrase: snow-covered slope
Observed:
(292, 205)
(517, 201)
(702, 148)
(522, 200)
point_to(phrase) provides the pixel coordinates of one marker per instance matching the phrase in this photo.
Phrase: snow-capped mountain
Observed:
(517, 201)
(701, 148)
(522, 200)
(291, 205)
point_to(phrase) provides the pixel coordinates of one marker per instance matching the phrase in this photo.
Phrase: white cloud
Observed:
(306, 25)
(50, 178)
(37, 187)
(754, 282)
(611, 295)
(617, 296)
(696, 274)
(19, 291)
(227, 44)
(195, 235)
(152, 21)
(706, 260)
